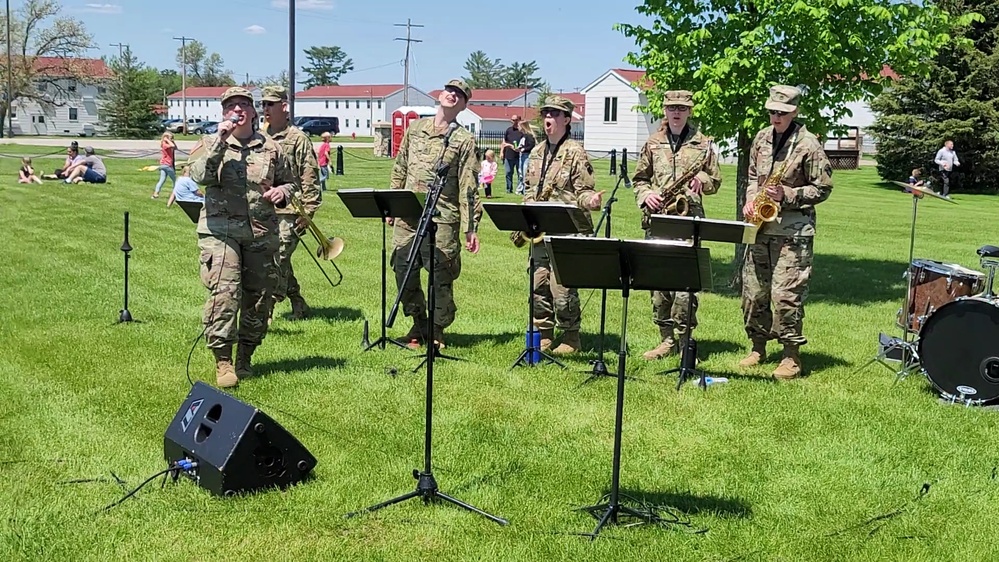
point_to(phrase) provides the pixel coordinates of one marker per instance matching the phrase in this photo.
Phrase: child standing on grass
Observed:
(27, 173)
(167, 151)
(487, 173)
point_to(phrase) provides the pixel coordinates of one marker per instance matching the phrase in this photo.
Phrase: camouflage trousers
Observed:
(554, 305)
(287, 285)
(776, 272)
(669, 308)
(240, 276)
(447, 268)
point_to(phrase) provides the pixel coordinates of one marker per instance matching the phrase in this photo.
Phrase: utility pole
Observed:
(10, 80)
(183, 80)
(408, 25)
(291, 61)
(120, 46)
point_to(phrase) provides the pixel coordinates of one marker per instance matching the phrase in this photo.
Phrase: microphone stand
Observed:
(124, 314)
(599, 367)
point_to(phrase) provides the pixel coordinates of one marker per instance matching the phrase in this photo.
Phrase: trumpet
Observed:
(520, 238)
(329, 248)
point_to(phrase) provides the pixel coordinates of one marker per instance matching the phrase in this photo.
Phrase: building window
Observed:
(369, 123)
(327, 104)
(357, 104)
(379, 104)
(72, 86)
(610, 110)
(336, 104)
(72, 114)
(369, 103)
(101, 90)
(357, 123)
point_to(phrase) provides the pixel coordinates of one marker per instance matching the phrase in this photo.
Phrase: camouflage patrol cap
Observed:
(783, 98)
(560, 103)
(679, 97)
(461, 85)
(236, 92)
(275, 93)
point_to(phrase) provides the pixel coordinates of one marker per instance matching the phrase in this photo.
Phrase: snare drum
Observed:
(933, 284)
(959, 350)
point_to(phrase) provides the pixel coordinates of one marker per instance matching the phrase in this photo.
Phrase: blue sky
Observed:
(573, 42)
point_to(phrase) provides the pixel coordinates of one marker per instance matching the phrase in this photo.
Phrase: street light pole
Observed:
(10, 81)
(371, 113)
(183, 80)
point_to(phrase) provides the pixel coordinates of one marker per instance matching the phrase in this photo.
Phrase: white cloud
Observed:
(102, 8)
(254, 30)
(305, 4)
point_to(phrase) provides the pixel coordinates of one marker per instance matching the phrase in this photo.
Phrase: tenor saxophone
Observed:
(765, 209)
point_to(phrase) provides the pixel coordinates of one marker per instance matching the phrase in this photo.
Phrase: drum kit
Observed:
(953, 313)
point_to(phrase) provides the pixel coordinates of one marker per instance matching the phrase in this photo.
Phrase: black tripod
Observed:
(532, 351)
(599, 367)
(124, 315)
(426, 486)
(688, 355)
(384, 339)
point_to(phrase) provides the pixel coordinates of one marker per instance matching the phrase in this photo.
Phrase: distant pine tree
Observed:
(127, 109)
(956, 101)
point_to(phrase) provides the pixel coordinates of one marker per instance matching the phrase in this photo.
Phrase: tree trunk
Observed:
(741, 182)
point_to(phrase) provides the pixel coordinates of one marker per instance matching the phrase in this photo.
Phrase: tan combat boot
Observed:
(756, 356)
(665, 348)
(547, 336)
(439, 337)
(243, 354)
(790, 365)
(225, 373)
(570, 343)
(299, 308)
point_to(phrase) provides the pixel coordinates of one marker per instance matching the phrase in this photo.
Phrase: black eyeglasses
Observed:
(780, 113)
(269, 103)
(675, 107)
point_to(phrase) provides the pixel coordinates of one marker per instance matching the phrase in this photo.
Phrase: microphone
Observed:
(450, 131)
(232, 119)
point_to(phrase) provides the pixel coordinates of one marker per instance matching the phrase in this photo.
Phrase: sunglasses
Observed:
(270, 103)
(232, 105)
(779, 113)
(552, 112)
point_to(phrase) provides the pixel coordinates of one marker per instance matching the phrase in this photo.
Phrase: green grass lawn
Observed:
(771, 471)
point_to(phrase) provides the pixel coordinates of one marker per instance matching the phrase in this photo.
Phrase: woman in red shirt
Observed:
(323, 154)
(167, 149)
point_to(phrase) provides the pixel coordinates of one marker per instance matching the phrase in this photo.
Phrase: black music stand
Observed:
(532, 219)
(602, 263)
(192, 209)
(692, 230)
(382, 204)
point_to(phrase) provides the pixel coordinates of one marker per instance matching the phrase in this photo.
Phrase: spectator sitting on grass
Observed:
(91, 170)
(185, 189)
(27, 173)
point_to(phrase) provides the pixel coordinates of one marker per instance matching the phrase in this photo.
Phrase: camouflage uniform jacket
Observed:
(569, 177)
(235, 177)
(301, 157)
(659, 166)
(807, 180)
(414, 170)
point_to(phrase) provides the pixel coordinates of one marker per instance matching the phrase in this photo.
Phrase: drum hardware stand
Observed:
(688, 352)
(426, 486)
(124, 314)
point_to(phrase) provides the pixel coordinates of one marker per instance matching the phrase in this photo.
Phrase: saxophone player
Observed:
(787, 165)
(558, 170)
(675, 168)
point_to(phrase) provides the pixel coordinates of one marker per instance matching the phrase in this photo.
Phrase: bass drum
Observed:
(959, 350)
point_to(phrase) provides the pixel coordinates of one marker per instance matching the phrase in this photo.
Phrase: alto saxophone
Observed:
(674, 200)
(519, 237)
(766, 209)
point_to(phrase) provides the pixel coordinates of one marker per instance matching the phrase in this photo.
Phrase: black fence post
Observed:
(624, 160)
(339, 160)
(613, 167)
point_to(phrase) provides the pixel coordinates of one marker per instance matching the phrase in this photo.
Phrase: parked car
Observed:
(302, 120)
(178, 125)
(317, 127)
(211, 128)
(202, 127)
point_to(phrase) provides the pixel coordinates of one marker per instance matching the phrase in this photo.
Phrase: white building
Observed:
(75, 104)
(359, 106)
(494, 120)
(612, 120)
(203, 102)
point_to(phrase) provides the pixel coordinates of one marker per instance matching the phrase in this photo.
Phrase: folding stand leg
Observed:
(688, 355)
(527, 356)
(384, 339)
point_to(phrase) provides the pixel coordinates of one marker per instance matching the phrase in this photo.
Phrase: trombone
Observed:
(327, 249)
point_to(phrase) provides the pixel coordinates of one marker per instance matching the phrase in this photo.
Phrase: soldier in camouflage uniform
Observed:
(779, 264)
(558, 170)
(245, 176)
(674, 151)
(457, 210)
(301, 156)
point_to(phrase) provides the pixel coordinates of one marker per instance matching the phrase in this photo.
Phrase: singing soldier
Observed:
(676, 167)
(301, 156)
(246, 177)
(558, 170)
(788, 167)
(457, 216)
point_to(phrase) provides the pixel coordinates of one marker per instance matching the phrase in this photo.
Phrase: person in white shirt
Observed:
(946, 158)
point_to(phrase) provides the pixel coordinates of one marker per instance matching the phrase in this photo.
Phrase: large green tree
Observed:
(956, 100)
(326, 65)
(522, 75)
(127, 107)
(483, 72)
(203, 68)
(729, 52)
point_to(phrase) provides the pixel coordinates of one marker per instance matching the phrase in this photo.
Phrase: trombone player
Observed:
(789, 174)
(303, 163)
(675, 168)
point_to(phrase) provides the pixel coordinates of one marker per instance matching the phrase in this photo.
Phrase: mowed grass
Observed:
(772, 471)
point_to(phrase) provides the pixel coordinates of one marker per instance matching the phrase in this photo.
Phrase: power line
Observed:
(409, 25)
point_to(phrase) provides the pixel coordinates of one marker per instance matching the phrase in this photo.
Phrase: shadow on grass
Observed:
(689, 504)
(286, 366)
(455, 339)
(334, 314)
(835, 279)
